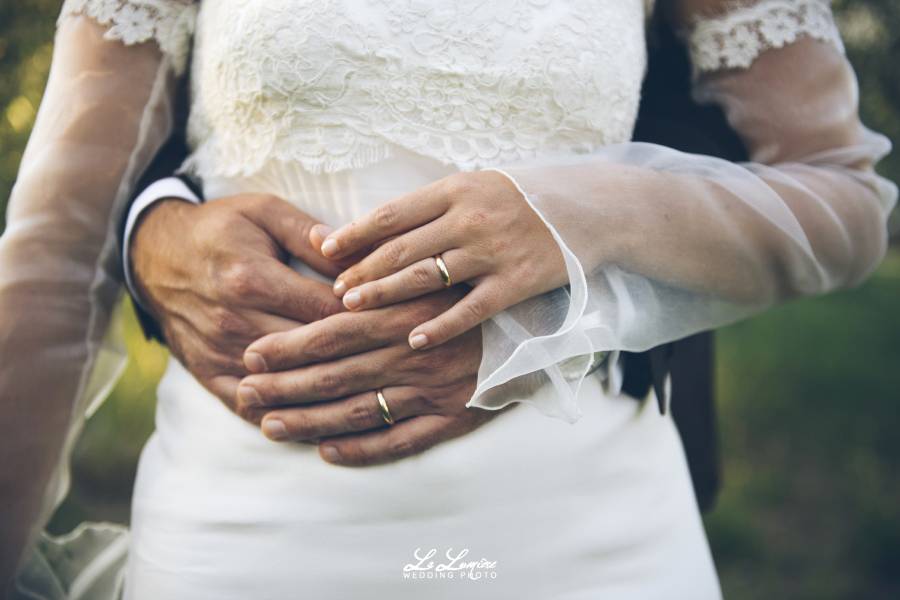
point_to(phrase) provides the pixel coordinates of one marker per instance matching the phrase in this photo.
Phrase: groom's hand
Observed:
(215, 277)
(317, 383)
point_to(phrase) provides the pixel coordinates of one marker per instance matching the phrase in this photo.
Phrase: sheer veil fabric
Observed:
(106, 110)
(699, 242)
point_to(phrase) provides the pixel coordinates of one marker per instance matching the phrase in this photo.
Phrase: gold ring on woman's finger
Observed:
(442, 269)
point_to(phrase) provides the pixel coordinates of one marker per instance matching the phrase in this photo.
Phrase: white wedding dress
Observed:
(338, 106)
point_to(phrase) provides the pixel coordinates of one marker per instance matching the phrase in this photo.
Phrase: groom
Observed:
(209, 279)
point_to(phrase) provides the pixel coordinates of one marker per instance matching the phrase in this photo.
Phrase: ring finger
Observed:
(418, 279)
(395, 254)
(360, 412)
(321, 381)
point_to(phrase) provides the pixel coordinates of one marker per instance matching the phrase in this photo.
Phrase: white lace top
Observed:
(333, 85)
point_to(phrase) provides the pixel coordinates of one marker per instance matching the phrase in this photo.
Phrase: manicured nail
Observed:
(352, 299)
(321, 231)
(249, 396)
(274, 429)
(339, 288)
(331, 454)
(329, 247)
(418, 341)
(255, 363)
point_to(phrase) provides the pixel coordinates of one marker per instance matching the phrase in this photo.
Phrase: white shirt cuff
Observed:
(164, 189)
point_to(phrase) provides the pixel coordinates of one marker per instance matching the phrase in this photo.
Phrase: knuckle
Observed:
(412, 317)
(402, 447)
(227, 322)
(301, 426)
(425, 312)
(355, 455)
(427, 403)
(444, 329)
(229, 364)
(386, 215)
(239, 280)
(302, 225)
(324, 344)
(312, 307)
(265, 200)
(475, 218)
(275, 349)
(330, 384)
(477, 308)
(323, 306)
(351, 277)
(498, 246)
(457, 185)
(394, 253)
(361, 415)
(245, 410)
(433, 360)
(375, 292)
(422, 276)
(210, 228)
(277, 291)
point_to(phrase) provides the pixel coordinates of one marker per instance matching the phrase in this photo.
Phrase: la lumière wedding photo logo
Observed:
(452, 564)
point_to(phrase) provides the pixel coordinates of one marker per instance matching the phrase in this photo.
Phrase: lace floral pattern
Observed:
(334, 85)
(169, 22)
(735, 39)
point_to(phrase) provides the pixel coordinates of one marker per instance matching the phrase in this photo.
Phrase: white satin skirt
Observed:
(526, 506)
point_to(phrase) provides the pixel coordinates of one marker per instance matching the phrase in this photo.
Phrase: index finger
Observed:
(328, 339)
(272, 287)
(391, 218)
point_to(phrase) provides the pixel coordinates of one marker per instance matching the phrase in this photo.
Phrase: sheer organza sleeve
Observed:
(106, 110)
(660, 244)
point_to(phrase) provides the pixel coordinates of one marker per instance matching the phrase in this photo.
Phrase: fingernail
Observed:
(418, 341)
(339, 288)
(255, 363)
(249, 396)
(331, 454)
(329, 247)
(274, 429)
(352, 299)
(321, 231)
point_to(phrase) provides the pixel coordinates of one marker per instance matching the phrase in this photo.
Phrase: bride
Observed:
(479, 145)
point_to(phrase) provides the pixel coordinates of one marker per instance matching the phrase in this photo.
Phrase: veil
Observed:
(106, 110)
(696, 242)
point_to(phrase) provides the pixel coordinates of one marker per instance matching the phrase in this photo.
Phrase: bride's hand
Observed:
(480, 225)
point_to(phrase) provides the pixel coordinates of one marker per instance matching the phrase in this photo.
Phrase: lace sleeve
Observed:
(661, 244)
(170, 23)
(106, 110)
(737, 36)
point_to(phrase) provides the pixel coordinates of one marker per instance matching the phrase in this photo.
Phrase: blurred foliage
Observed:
(807, 392)
(26, 31)
(809, 427)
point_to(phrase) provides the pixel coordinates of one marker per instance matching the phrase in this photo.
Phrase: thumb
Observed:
(290, 228)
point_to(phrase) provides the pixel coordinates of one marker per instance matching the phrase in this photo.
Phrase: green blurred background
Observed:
(809, 393)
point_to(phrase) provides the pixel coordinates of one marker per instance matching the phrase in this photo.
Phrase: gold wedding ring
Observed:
(385, 411)
(442, 268)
